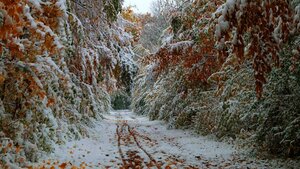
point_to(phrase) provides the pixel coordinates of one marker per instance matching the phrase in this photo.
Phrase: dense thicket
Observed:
(229, 68)
(59, 60)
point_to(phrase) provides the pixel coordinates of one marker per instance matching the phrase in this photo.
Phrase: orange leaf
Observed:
(48, 41)
(50, 102)
(18, 149)
(63, 165)
(167, 167)
(42, 95)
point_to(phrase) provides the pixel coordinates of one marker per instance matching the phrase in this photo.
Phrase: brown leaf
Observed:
(50, 102)
(63, 166)
(18, 149)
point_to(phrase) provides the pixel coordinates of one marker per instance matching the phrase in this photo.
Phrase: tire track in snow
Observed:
(119, 145)
(130, 158)
(133, 160)
(126, 141)
(152, 160)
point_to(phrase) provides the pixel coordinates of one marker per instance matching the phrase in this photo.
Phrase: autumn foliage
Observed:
(56, 70)
(26, 27)
(220, 71)
(28, 31)
(195, 52)
(258, 33)
(256, 30)
(135, 22)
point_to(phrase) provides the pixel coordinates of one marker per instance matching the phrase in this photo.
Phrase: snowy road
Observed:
(124, 140)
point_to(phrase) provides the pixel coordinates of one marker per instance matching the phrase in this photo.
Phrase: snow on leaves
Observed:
(194, 51)
(211, 82)
(255, 30)
(27, 25)
(55, 70)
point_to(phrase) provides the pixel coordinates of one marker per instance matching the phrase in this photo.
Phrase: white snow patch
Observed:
(101, 148)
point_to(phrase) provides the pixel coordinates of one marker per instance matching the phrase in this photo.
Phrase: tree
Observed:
(134, 24)
(162, 11)
(57, 63)
(209, 72)
(256, 30)
(26, 26)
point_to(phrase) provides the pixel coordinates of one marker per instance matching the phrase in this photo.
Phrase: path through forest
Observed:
(124, 140)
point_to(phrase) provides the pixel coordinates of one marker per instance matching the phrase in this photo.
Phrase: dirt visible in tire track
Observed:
(119, 145)
(126, 136)
(152, 160)
(130, 141)
(125, 141)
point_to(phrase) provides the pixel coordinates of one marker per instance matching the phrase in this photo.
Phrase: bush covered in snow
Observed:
(57, 67)
(221, 73)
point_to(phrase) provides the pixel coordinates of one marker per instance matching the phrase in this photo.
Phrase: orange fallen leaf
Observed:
(168, 167)
(63, 165)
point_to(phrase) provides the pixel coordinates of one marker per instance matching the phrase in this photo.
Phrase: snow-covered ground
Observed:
(124, 140)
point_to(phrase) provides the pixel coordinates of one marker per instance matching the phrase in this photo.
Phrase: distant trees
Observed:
(134, 22)
(162, 11)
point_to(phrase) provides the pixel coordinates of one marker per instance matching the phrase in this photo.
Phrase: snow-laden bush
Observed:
(56, 71)
(239, 94)
(279, 123)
